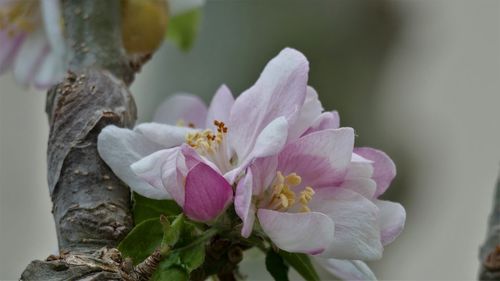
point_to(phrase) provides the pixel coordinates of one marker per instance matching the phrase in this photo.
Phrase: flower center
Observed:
(283, 198)
(212, 145)
(19, 16)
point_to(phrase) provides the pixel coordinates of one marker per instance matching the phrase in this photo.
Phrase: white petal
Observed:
(51, 70)
(392, 220)
(309, 112)
(30, 56)
(52, 15)
(165, 135)
(346, 269)
(309, 232)
(272, 139)
(243, 204)
(119, 148)
(185, 108)
(180, 6)
(159, 169)
(357, 231)
(220, 107)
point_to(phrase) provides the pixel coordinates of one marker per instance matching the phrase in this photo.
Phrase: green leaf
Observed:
(193, 257)
(171, 232)
(183, 28)
(302, 264)
(142, 240)
(145, 208)
(276, 266)
(174, 273)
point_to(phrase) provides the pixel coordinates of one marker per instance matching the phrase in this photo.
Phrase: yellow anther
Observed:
(284, 200)
(305, 197)
(293, 179)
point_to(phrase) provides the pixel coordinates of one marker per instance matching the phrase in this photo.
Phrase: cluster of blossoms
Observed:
(274, 154)
(32, 42)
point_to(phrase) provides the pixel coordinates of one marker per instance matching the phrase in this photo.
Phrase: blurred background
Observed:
(417, 79)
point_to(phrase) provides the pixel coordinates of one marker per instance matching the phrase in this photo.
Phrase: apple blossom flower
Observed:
(295, 172)
(31, 42)
(226, 148)
(318, 183)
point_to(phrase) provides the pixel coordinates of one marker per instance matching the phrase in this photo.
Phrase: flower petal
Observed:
(307, 233)
(159, 169)
(392, 220)
(270, 142)
(384, 169)
(346, 269)
(263, 171)
(178, 7)
(272, 139)
(30, 57)
(185, 108)
(52, 15)
(119, 148)
(51, 70)
(320, 158)
(243, 204)
(9, 47)
(207, 193)
(279, 92)
(309, 112)
(220, 107)
(326, 120)
(164, 135)
(357, 232)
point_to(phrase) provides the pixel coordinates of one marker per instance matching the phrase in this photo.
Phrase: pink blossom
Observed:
(296, 174)
(156, 158)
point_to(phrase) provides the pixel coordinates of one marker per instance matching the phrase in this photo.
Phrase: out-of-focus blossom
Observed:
(31, 42)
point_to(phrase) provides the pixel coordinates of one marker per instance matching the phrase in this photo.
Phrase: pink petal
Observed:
(185, 108)
(279, 92)
(243, 204)
(346, 269)
(392, 220)
(384, 168)
(220, 107)
(263, 171)
(164, 135)
(193, 158)
(160, 171)
(119, 148)
(357, 232)
(327, 120)
(309, 112)
(309, 232)
(320, 158)
(8, 49)
(207, 193)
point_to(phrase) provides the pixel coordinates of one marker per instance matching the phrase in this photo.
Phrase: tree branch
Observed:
(91, 206)
(489, 255)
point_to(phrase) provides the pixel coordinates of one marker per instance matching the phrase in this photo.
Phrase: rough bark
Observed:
(91, 206)
(489, 255)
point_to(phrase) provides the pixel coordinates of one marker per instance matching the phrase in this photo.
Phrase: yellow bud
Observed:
(144, 25)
